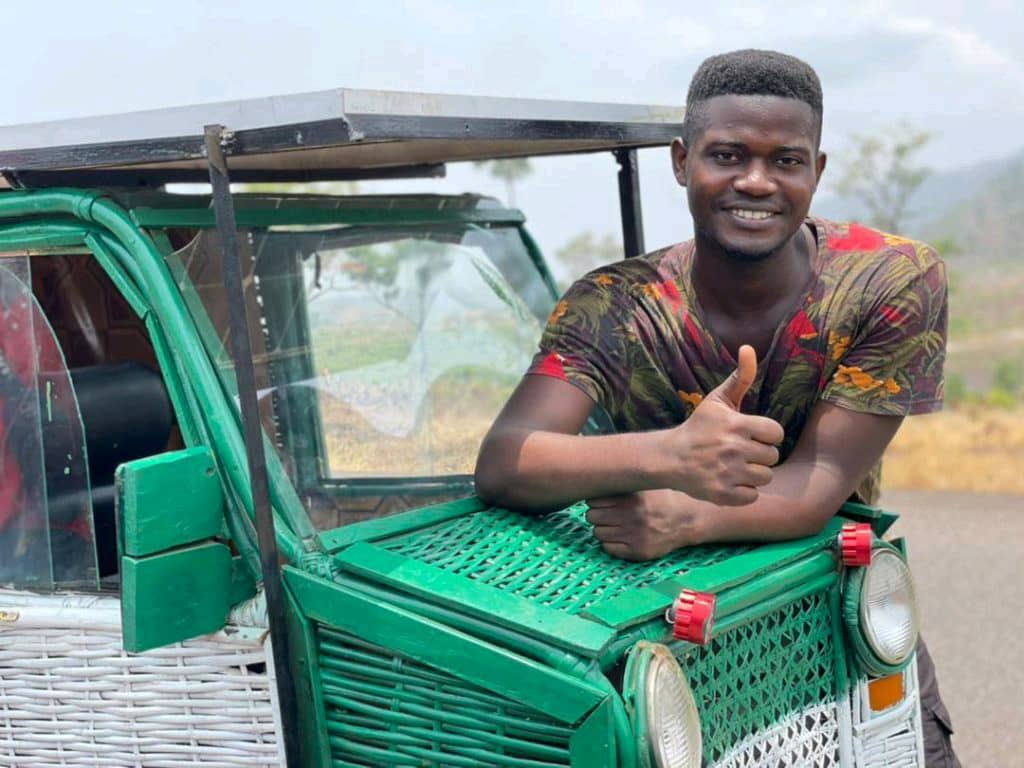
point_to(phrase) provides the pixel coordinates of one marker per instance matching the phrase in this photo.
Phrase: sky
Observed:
(956, 69)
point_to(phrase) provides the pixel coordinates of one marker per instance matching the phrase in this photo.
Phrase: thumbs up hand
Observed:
(719, 454)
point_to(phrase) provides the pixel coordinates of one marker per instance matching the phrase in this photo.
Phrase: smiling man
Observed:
(755, 374)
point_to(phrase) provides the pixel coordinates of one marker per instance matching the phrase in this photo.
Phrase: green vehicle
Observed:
(237, 521)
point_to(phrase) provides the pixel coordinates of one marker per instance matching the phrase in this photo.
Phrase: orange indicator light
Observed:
(885, 692)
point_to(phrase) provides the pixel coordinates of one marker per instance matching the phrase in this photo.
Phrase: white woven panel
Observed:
(69, 695)
(806, 738)
(889, 739)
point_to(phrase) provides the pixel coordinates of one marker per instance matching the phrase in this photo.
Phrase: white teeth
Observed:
(755, 215)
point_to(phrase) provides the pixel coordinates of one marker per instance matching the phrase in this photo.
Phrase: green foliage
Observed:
(998, 397)
(509, 171)
(1008, 376)
(881, 173)
(587, 251)
(956, 389)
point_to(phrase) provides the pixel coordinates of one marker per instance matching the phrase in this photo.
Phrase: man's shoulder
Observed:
(632, 275)
(851, 242)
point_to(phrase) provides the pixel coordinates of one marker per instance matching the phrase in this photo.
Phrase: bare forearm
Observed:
(799, 500)
(540, 471)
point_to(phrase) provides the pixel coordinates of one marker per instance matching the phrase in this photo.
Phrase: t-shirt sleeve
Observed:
(893, 365)
(588, 338)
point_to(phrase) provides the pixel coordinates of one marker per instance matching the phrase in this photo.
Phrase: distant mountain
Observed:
(980, 209)
(978, 206)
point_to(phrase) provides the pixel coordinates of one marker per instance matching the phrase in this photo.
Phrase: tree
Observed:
(509, 171)
(882, 175)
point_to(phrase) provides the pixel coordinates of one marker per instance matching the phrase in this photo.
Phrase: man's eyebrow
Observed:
(800, 150)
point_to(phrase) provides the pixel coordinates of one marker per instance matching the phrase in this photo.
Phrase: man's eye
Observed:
(724, 156)
(789, 161)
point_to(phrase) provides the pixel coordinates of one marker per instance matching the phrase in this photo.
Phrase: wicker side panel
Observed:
(554, 560)
(769, 682)
(72, 696)
(385, 710)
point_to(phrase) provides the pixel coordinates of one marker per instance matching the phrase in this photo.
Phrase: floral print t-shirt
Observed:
(869, 335)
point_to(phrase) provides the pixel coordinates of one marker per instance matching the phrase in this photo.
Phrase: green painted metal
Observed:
(552, 560)
(168, 500)
(553, 693)
(397, 525)
(476, 599)
(243, 586)
(388, 710)
(299, 215)
(759, 591)
(880, 520)
(640, 605)
(213, 412)
(592, 745)
(634, 694)
(774, 603)
(305, 671)
(175, 595)
(839, 645)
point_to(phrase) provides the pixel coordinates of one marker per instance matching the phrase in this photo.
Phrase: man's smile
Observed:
(749, 214)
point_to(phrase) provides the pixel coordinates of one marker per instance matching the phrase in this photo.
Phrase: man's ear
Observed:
(819, 167)
(679, 161)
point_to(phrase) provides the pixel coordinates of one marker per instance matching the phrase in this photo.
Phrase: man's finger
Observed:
(618, 549)
(734, 389)
(603, 515)
(757, 475)
(765, 430)
(608, 501)
(759, 453)
(609, 533)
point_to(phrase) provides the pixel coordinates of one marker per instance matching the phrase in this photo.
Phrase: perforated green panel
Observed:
(756, 675)
(558, 564)
(384, 710)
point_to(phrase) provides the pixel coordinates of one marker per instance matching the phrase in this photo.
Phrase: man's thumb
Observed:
(734, 388)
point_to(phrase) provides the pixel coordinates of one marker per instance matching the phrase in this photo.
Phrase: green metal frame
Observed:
(206, 415)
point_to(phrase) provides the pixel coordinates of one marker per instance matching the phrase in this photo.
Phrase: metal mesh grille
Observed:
(755, 677)
(386, 710)
(558, 564)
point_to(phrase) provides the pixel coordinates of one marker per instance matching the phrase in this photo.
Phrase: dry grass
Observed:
(969, 449)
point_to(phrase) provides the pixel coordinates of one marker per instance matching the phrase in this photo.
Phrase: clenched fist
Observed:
(719, 454)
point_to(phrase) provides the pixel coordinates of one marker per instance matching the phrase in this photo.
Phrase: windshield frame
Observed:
(375, 212)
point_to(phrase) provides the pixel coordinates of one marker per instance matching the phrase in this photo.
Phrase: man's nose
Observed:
(755, 180)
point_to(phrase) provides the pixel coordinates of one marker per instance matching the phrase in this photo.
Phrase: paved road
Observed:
(966, 551)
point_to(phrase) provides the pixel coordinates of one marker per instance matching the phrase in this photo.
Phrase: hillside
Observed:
(976, 214)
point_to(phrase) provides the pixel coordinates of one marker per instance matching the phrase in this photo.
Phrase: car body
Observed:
(421, 625)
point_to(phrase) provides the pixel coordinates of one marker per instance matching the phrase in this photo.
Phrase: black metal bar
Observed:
(245, 374)
(629, 202)
(156, 177)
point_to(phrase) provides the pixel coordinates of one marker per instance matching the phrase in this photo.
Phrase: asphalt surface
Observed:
(966, 551)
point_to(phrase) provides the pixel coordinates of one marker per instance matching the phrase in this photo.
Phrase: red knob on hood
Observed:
(694, 616)
(855, 544)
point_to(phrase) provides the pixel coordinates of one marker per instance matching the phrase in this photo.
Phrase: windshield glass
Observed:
(381, 352)
(46, 524)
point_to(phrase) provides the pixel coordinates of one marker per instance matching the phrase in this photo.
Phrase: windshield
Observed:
(381, 352)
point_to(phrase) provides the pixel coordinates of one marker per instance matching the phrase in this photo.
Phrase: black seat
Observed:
(126, 415)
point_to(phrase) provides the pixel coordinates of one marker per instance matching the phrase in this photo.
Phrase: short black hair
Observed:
(751, 72)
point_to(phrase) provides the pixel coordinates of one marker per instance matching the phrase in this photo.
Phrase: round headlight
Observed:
(673, 723)
(888, 608)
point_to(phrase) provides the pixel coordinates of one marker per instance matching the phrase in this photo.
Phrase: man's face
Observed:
(750, 171)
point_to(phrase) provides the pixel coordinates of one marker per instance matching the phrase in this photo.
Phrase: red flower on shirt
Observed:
(552, 366)
(857, 238)
(692, 330)
(892, 315)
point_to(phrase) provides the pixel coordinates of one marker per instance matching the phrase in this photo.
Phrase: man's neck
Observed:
(731, 285)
